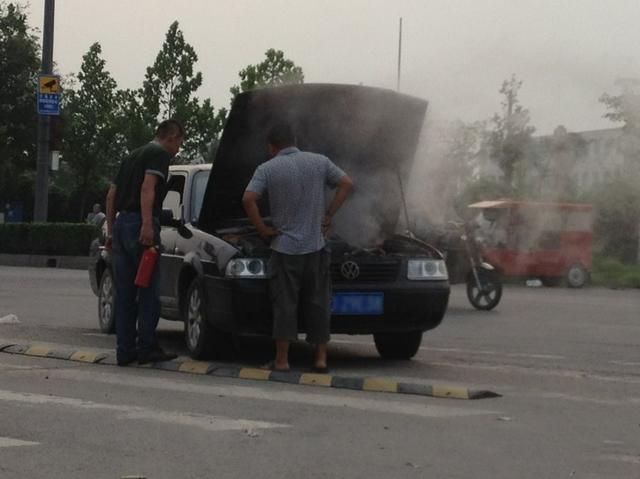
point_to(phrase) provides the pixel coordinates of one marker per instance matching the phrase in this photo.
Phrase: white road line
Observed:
(203, 421)
(459, 350)
(9, 442)
(331, 399)
(9, 319)
(563, 373)
(627, 458)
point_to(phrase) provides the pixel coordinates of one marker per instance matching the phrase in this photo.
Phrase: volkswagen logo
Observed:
(350, 270)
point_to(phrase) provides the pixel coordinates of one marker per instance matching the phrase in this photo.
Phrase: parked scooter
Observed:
(460, 246)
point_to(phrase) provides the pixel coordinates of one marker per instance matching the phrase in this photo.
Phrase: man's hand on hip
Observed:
(326, 225)
(267, 233)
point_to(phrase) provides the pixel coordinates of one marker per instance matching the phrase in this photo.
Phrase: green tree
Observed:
(625, 108)
(91, 131)
(169, 91)
(620, 220)
(19, 65)
(617, 209)
(274, 70)
(511, 133)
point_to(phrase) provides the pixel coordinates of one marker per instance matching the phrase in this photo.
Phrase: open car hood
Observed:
(371, 133)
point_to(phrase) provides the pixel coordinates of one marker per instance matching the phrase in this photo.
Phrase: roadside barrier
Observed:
(189, 366)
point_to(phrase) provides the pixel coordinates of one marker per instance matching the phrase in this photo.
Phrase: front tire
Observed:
(202, 338)
(489, 294)
(403, 345)
(107, 303)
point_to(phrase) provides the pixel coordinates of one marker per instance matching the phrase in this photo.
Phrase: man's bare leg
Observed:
(320, 352)
(282, 354)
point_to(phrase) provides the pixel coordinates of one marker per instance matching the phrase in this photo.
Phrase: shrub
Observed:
(60, 239)
(612, 272)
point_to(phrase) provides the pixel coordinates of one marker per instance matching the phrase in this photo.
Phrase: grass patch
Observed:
(613, 273)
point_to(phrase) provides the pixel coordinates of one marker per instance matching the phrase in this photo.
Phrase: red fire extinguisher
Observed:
(146, 267)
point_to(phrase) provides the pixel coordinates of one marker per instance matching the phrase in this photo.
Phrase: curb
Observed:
(189, 366)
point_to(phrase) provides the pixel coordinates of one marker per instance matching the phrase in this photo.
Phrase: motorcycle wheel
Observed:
(488, 296)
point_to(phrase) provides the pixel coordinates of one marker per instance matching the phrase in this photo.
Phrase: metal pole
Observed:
(41, 205)
(399, 54)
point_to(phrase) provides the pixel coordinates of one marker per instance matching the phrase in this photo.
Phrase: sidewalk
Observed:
(44, 261)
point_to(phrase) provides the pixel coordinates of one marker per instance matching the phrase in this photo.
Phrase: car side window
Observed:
(198, 188)
(175, 190)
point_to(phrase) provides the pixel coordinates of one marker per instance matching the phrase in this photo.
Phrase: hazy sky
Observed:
(456, 53)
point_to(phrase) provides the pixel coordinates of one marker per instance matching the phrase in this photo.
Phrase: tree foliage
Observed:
(511, 133)
(91, 130)
(274, 70)
(169, 91)
(19, 65)
(625, 108)
(617, 215)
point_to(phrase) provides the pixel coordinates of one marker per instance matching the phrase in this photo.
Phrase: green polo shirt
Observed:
(148, 159)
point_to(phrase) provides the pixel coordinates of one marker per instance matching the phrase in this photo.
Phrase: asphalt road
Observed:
(566, 362)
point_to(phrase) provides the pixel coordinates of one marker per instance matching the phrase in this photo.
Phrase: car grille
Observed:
(368, 272)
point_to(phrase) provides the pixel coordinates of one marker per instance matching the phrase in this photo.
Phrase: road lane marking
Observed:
(627, 458)
(202, 421)
(9, 319)
(466, 351)
(10, 442)
(563, 373)
(325, 399)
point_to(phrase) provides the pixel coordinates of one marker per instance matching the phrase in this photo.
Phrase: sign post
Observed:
(47, 105)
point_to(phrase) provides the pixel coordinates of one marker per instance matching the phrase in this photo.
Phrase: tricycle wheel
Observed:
(403, 345)
(577, 276)
(488, 295)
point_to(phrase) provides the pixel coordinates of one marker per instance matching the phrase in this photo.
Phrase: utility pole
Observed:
(399, 55)
(41, 206)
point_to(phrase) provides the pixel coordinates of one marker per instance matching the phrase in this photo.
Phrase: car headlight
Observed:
(427, 269)
(247, 268)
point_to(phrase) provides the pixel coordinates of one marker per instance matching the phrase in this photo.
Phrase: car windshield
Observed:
(197, 194)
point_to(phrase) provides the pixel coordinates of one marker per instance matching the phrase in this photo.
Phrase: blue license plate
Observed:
(357, 304)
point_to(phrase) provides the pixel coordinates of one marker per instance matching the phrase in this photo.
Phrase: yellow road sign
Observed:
(49, 84)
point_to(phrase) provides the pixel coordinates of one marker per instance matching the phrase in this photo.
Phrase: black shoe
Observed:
(156, 356)
(126, 359)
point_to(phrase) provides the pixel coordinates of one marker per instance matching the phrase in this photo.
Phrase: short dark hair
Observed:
(169, 127)
(281, 135)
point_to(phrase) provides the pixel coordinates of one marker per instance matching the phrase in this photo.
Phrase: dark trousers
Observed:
(133, 304)
(300, 285)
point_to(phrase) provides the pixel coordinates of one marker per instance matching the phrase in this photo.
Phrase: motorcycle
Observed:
(461, 249)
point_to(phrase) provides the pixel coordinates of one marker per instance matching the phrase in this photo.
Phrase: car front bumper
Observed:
(244, 306)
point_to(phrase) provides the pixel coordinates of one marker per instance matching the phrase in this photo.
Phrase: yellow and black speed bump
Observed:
(228, 371)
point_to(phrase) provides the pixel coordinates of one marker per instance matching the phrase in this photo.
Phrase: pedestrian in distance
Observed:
(96, 217)
(136, 195)
(299, 268)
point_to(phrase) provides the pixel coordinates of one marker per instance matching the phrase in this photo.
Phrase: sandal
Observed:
(271, 366)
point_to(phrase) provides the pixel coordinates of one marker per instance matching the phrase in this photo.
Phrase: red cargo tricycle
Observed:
(549, 241)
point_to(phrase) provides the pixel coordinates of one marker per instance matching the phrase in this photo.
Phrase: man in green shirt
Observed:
(136, 194)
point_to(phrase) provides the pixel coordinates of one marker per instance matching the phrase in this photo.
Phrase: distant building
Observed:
(568, 162)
